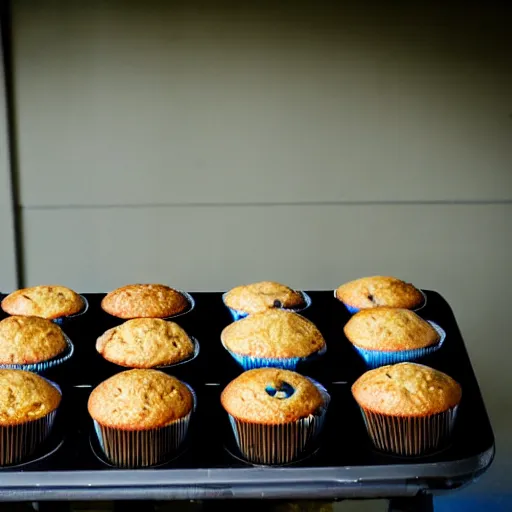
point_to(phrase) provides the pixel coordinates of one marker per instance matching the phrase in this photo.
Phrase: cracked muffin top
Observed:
(30, 340)
(145, 343)
(271, 396)
(273, 333)
(376, 291)
(258, 297)
(45, 301)
(24, 397)
(144, 301)
(389, 329)
(406, 389)
(140, 400)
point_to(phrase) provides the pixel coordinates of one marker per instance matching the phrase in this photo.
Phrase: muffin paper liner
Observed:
(285, 363)
(409, 436)
(238, 315)
(61, 320)
(376, 358)
(45, 365)
(353, 310)
(279, 444)
(142, 448)
(17, 442)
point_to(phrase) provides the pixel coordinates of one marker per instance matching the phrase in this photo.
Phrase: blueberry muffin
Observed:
(377, 291)
(390, 329)
(28, 340)
(257, 297)
(145, 343)
(141, 417)
(145, 301)
(28, 405)
(284, 410)
(45, 301)
(275, 337)
(409, 409)
(385, 335)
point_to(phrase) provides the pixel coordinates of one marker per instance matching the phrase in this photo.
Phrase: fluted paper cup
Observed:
(18, 442)
(284, 363)
(281, 443)
(376, 358)
(143, 448)
(409, 436)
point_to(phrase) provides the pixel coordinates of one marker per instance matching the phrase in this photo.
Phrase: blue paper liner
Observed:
(353, 310)
(144, 448)
(63, 319)
(284, 363)
(376, 358)
(18, 442)
(238, 315)
(282, 443)
(45, 365)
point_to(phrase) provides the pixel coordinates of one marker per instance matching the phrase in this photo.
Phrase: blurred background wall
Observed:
(208, 144)
(8, 271)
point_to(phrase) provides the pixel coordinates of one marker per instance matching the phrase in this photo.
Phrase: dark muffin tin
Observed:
(344, 464)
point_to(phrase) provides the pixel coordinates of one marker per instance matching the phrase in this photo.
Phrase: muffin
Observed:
(391, 335)
(32, 343)
(276, 338)
(377, 291)
(28, 406)
(258, 297)
(145, 343)
(45, 301)
(141, 417)
(145, 301)
(276, 415)
(408, 408)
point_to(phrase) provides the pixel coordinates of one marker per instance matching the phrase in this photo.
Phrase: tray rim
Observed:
(331, 482)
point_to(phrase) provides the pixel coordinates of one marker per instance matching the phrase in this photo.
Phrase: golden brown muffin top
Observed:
(406, 389)
(273, 333)
(24, 397)
(29, 339)
(144, 301)
(249, 397)
(45, 301)
(140, 400)
(389, 329)
(376, 291)
(258, 297)
(145, 343)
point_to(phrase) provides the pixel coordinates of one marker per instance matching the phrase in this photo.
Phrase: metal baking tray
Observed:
(344, 465)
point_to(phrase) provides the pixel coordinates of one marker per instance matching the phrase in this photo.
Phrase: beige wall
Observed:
(8, 276)
(207, 146)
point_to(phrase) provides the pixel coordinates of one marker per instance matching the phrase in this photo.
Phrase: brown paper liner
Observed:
(409, 436)
(141, 448)
(17, 442)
